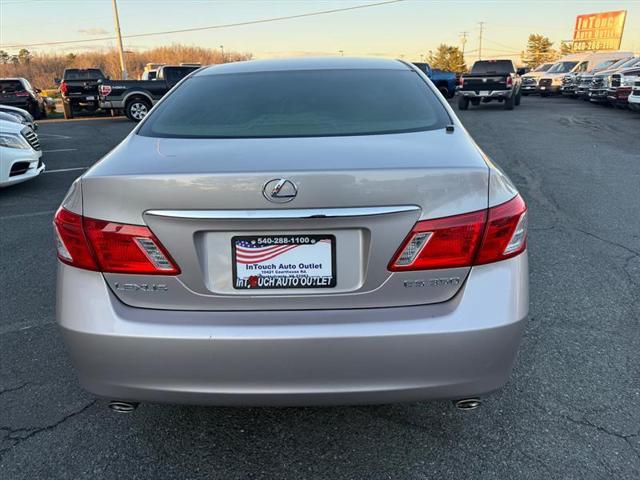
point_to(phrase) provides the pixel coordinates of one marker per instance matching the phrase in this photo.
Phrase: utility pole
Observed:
(222, 52)
(480, 41)
(123, 66)
(463, 40)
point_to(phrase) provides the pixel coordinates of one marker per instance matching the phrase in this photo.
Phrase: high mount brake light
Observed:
(110, 247)
(464, 240)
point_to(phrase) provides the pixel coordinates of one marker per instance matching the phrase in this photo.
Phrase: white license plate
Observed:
(91, 98)
(484, 93)
(543, 88)
(283, 261)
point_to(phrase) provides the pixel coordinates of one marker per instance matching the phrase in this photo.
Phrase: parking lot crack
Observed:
(14, 389)
(609, 242)
(626, 437)
(18, 435)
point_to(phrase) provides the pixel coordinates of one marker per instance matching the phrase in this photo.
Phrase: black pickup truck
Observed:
(491, 80)
(136, 97)
(79, 90)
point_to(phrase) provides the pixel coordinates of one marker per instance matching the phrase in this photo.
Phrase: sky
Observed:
(407, 29)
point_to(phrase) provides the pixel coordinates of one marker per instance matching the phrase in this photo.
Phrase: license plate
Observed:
(283, 261)
(90, 98)
(543, 88)
(484, 93)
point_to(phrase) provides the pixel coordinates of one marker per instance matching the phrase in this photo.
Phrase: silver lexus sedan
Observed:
(294, 232)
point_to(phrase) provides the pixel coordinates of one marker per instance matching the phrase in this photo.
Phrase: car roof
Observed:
(303, 63)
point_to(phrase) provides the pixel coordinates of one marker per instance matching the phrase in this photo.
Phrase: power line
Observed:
(212, 27)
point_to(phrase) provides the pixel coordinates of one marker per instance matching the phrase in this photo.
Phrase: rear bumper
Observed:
(486, 93)
(111, 104)
(456, 349)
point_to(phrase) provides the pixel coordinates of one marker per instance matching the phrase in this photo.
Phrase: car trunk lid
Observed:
(361, 194)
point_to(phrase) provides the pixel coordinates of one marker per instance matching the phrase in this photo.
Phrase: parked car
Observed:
(491, 80)
(621, 85)
(136, 97)
(79, 90)
(634, 97)
(446, 82)
(20, 154)
(277, 232)
(598, 62)
(566, 75)
(601, 80)
(23, 116)
(530, 79)
(18, 92)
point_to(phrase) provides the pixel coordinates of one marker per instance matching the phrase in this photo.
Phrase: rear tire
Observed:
(509, 102)
(544, 94)
(137, 108)
(518, 98)
(68, 111)
(475, 102)
(463, 103)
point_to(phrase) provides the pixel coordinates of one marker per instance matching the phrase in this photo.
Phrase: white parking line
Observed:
(54, 135)
(65, 169)
(60, 150)
(24, 215)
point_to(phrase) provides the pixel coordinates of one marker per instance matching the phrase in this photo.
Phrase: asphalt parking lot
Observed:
(569, 411)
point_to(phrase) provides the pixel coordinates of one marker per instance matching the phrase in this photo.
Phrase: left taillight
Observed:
(110, 247)
(475, 238)
(104, 90)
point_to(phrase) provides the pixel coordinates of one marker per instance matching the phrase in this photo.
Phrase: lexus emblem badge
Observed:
(279, 190)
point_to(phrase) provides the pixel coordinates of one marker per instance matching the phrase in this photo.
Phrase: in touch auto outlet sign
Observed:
(599, 31)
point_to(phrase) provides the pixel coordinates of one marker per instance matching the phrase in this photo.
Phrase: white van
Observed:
(573, 65)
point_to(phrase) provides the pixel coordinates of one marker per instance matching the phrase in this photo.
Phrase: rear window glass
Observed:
(173, 74)
(297, 104)
(493, 66)
(85, 74)
(10, 86)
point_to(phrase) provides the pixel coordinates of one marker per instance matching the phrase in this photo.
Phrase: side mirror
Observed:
(521, 71)
(37, 90)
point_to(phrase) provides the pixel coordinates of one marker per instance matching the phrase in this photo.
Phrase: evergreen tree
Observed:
(539, 50)
(447, 58)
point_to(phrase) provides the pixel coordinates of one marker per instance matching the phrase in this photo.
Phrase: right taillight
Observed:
(63, 88)
(110, 247)
(506, 233)
(464, 240)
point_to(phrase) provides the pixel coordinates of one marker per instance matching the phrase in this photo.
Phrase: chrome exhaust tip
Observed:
(122, 407)
(467, 403)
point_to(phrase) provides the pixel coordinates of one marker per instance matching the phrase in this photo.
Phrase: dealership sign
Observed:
(599, 31)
